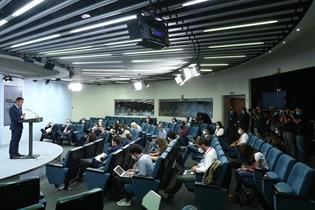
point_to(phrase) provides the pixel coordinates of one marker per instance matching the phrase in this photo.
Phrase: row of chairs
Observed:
(68, 169)
(288, 183)
(25, 194)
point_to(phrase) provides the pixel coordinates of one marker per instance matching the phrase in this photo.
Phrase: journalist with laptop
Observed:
(142, 167)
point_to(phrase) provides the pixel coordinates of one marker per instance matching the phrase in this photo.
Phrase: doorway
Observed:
(237, 102)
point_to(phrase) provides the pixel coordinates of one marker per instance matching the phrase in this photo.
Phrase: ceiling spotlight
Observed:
(284, 42)
(76, 86)
(7, 79)
(85, 16)
(298, 29)
(138, 85)
(178, 79)
(270, 51)
(47, 81)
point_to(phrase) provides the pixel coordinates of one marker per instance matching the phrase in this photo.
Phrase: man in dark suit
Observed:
(16, 126)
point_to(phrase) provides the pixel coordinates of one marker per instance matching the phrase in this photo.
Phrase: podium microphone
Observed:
(34, 113)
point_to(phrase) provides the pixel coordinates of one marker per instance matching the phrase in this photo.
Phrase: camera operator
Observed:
(299, 131)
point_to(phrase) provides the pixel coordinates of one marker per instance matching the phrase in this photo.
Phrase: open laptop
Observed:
(120, 171)
(188, 172)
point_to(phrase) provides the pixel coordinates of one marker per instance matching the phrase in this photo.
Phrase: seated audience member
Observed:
(194, 149)
(66, 132)
(47, 131)
(85, 125)
(187, 121)
(124, 131)
(219, 129)
(98, 160)
(99, 128)
(233, 149)
(162, 132)
(171, 136)
(161, 147)
(253, 159)
(209, 157)
(183, 133)
(174, 120)
(135, 126)
(149, 120)
(143, 167)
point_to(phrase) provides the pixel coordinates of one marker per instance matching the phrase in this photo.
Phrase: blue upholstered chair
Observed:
(91, 199)
(280, 173)
(21, 194)
(294, 193)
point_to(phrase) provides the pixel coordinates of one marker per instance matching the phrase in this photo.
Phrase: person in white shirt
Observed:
(209, 157)
(162, 132)
(219, 129)
(233, 150)
(135, 126)
(243, 139)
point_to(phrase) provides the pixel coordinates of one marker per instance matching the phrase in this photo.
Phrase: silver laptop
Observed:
(120, 171)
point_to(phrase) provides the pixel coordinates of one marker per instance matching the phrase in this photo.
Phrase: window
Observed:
(134, 107)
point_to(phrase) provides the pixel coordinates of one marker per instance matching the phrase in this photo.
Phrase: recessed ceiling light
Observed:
(106, 23)
(72, 51)
(206, 70)
(85, 56)
(152, 51)
(228, 56)
(102, 70)
(189, 3)
(36, 40)
(241, 26)
(68, 49)
(122, 42)
(298, 29)
(270, 51)
(26, 7)
(284, 42)
(214, 64)
(237, 45)
(2, 22)
(96, 62)
(85, 16)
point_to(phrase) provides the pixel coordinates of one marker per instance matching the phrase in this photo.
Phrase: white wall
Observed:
(298, 53)
(53, 102)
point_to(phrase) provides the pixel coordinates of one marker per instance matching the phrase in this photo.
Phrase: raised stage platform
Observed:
(11, 167)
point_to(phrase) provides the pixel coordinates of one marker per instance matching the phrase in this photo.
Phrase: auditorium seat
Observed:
(38, 206)
(21, 193)
(141, 185)
(99, 177)
(293, 194)
(91, 199)
(280, 173)
(67, 171)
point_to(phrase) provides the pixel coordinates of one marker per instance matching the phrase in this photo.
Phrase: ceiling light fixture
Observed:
(96, 62)
(106, 23)
(122, 42)
(241, 26)
(73, 51)
(206, 70)
(65, 50)
(193, 2)
(85, 56)
(85, 16)
(153, 51)
(2, 22)
(228, 56)
(7, 79)
(137, 85)
(36, 40)
(298, 29)
(284, 42)
(236, 45)
(214, 64)
(75, 86)
(178, 79)
(26, 7)
(101, 70)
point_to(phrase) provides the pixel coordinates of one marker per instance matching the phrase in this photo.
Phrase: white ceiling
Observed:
(106, 53)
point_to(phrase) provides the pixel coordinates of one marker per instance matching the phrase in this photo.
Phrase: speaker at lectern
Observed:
(30, 121)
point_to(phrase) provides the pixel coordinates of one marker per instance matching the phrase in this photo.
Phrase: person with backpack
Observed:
(209, 158)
